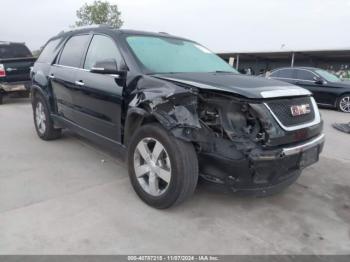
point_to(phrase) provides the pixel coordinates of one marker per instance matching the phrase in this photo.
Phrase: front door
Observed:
(98, 101)
(306, 79)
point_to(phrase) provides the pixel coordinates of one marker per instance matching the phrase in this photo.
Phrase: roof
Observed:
(107, 27)
(297, 67)
(162, 34)
(72, 29)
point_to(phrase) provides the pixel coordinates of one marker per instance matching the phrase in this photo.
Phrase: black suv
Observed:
(327, 89)
(176, 110)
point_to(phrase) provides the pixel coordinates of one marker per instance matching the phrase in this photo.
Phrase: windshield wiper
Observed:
(162, 73)
(219, 71)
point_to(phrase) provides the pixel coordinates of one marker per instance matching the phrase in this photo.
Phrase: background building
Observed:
(336, 61)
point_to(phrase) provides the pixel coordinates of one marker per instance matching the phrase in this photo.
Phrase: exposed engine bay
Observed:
(229, 118)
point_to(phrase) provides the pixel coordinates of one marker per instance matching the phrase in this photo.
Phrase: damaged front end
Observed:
(238, 141)
(248, 150)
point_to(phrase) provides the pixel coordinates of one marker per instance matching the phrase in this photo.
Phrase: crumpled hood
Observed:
(243, 85)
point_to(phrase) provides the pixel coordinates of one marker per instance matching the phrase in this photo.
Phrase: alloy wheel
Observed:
(344, 104)
(152, 166)
(40, 118)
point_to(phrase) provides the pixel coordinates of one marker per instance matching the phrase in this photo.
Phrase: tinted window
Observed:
(49, 51)
(304, 75)
(73, 51)
(14, 51)
(284, 73)
(101, 48)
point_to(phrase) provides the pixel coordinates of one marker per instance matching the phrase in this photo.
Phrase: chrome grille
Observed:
(281, 110)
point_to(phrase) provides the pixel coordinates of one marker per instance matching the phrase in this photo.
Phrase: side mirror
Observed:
(318, 80)
(108, 66)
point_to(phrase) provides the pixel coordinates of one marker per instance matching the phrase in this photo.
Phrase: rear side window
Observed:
(304, 75)
(73, 51)
(14, 51)
(101, 48)
(284, 73)
(48, 53)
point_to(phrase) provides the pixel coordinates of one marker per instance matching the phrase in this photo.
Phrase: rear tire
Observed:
(1, 99)
(343, 103)
(43, 121)
(174, 160)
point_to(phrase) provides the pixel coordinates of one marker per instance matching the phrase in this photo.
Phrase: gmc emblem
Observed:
(299, 110)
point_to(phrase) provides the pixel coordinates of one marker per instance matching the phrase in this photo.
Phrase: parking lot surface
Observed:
(70, 196)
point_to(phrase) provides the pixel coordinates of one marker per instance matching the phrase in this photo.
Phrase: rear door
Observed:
(329, 91)
(99, 98)
(63, 74)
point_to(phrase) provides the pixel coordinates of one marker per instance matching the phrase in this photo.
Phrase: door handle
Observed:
(79, 83)
(51, 76)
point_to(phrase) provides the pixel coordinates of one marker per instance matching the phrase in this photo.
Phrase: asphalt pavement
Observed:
(71, 196)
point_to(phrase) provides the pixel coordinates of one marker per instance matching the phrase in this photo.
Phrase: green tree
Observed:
(100, 12)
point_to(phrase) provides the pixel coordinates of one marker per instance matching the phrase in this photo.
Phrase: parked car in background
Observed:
(15, 63)
(176, 110)
(327, 89)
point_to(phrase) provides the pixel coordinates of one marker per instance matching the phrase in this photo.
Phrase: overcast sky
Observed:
(221, 25)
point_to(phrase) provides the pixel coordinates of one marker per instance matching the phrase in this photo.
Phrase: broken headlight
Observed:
(230, 119)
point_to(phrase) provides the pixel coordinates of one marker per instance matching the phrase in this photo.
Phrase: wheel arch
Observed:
(344, 93)
(134, 119)
(36, 90)
(340, 96)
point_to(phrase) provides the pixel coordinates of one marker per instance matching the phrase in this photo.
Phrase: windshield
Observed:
(169, 55)
(328, 76)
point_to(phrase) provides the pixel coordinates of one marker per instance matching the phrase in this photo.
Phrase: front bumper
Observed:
(261, 172)
(319, 140)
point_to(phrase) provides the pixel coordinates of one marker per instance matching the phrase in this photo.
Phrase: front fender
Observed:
(174, 108)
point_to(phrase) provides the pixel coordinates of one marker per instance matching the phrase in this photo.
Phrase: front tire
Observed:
(163, 170)
(344, 103)
(43, 121)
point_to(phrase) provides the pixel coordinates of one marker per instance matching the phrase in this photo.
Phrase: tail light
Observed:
(2, 71)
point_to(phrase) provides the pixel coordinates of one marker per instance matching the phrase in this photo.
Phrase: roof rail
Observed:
(164, 33)
(85, 27)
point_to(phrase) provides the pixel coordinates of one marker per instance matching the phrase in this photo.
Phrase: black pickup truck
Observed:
(15, 63)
